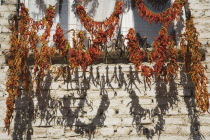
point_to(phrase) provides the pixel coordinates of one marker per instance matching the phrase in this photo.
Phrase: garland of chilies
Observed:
(18, 69)
(165, 17)
(137, 55)
(192, 62)
(78, 57)
(164, 55)
(61, 42)
(25, 38)
(104, 28)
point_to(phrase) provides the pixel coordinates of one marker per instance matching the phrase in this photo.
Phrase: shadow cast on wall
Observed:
(165, 99)
(193, 113)
(44, 107)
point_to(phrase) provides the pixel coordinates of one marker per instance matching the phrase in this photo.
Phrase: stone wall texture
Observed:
(110, 101)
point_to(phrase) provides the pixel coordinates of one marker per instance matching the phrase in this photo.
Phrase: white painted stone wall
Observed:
(111, 102)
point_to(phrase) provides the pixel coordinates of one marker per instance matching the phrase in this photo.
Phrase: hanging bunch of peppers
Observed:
(24, 38)
(61, 42)
(12, 83)
(43, 56)
(136, 54)
(165, 17)
(164, 56)
(18, 73)
(78, 57)
(190, 47)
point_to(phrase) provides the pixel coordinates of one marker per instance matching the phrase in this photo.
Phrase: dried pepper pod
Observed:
(43, 56)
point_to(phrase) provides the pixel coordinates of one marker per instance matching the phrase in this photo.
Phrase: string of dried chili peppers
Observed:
(18, 73)
(43, 56)
(190, 47)
(164, 55)
(77, 56)
(61, 42)
(106, 27)
(137, 55)
(166, 17)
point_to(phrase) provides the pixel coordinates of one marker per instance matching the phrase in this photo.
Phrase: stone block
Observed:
(112, 121)
(106, 131)
(207, 13)
(7, 8)
(178, 121)
(40, 132)
(171, 129)
(184, 130)
(204, 120)
(131, 121)
(55, 132)
(123, 130)
(10, 2)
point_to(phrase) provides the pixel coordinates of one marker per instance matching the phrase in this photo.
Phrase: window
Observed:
(99, 10)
